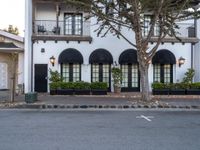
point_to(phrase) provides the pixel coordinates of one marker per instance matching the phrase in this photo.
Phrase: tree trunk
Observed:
(145, 94)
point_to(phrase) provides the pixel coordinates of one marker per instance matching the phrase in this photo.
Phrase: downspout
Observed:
(195, 35)
(31, 66)
(192, 56)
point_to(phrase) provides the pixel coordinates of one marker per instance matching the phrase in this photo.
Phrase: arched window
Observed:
(163, 66)
(130, 72)
(101, 61)
(71, 60)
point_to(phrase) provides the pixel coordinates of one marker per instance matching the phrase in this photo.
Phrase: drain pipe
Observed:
(32, 66)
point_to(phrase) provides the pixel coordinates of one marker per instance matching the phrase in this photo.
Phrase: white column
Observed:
(197, 55)
(28, 45)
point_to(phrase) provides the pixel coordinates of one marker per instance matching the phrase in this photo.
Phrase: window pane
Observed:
(106, 73)
(73, 24)
(156, 70)
(65, 72)
(76, 72)
(167, 73)
(124, 75)
(68, 24)
(134, 75)
(95, 73)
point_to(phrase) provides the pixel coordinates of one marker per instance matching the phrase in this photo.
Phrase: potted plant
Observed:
(99, 88)
(53, 88)
(117, 78)
(159, 88)
(194, 89)
(55, 80)
(66, 88)
(82, 88)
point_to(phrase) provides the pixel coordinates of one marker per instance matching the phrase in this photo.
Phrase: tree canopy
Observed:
(112, 16)
(12, 29)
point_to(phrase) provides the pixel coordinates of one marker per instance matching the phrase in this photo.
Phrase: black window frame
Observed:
(130, 88)
(162, 73)
(147, 22)
(71, 73)
(100, 67)
(73, 24)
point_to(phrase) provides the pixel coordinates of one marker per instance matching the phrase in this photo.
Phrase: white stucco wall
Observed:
(112, 44)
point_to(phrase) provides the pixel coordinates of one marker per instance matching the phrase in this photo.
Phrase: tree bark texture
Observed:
(145, 94)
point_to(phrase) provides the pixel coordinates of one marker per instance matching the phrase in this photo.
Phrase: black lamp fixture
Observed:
(52, 60)
(115, 63)
(181, 61)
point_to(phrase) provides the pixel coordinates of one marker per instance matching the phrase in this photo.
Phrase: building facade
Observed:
(11, 60)
(56, 30)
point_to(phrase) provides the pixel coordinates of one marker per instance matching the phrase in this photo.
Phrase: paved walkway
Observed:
(122, 100)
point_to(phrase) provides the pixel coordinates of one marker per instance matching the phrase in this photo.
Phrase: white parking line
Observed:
(145, 117)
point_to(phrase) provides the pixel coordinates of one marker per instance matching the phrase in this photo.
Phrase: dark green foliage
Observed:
(67, 85)
(189, 76)
(55, 76)
(54, 85)
(117, 75)
(81, 85)
(195, 85)
(157, 85)
(99, 85)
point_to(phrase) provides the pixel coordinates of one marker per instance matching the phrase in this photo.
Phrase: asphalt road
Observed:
(99, 130)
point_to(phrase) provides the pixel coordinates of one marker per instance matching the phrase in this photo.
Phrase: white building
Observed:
(55, 29)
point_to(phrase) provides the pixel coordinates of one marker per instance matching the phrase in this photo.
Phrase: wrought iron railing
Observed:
(51, 27)
(183, 30)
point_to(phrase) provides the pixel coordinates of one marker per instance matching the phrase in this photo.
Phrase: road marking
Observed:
(145, 117)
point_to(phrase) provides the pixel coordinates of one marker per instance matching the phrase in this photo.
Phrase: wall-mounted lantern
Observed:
(181, 61)
(52, 60)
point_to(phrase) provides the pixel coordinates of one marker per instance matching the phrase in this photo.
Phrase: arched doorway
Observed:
(163, 62)
(70, 61)
(130, 73)
(101, 61)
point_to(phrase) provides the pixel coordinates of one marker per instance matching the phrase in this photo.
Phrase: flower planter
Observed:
(82, 92)
(99, 92)
(193, 91)
(160, 91)
(53, 92)
(177, 92)
(117, 89)
(65, 92)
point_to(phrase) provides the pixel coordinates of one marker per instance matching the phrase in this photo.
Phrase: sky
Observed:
(12, 12)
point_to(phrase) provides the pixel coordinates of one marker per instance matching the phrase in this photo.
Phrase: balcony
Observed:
(56, 31)
(185, 33)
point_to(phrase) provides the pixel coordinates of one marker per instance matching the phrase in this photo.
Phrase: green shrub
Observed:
(54, 76)
(189, 76)
(81, 85)
(158, 85)
(117, 75)
(66, 85)
(195, 85)
(179, 85)
(54, 85)
(99, 85)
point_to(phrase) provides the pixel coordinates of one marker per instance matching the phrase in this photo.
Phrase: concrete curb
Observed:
(98, 107)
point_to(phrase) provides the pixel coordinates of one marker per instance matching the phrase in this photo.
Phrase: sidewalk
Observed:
(130, 100)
